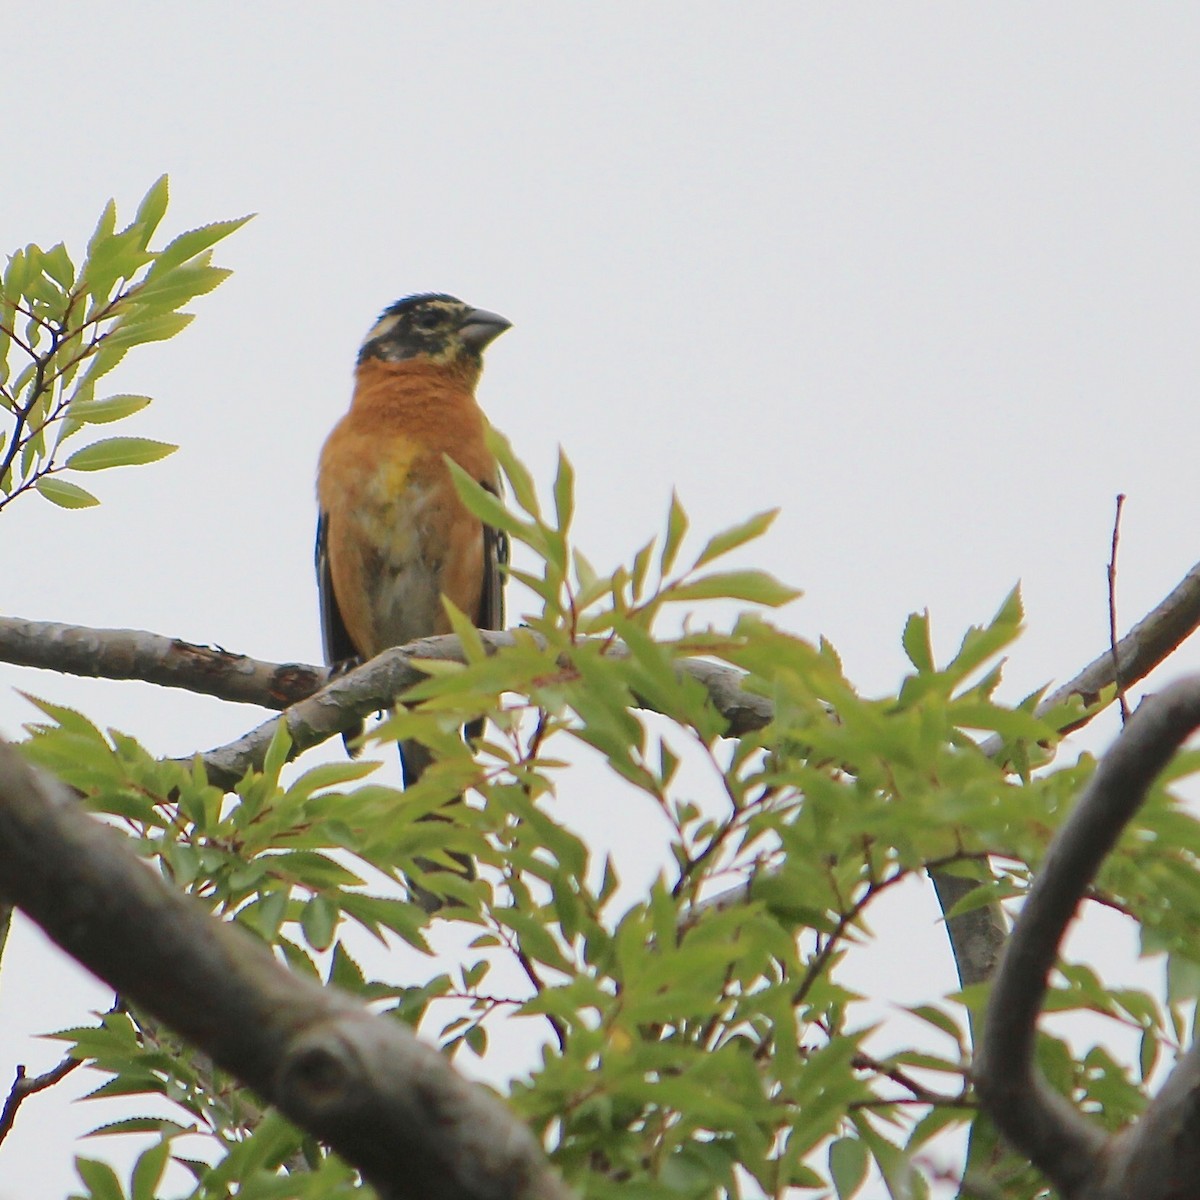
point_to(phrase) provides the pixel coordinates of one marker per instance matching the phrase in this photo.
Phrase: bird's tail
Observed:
(414, 759)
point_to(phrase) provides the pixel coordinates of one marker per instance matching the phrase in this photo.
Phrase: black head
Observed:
(433, 326)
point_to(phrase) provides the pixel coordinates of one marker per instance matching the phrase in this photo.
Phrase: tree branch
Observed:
(1151, 641)
(1158, 1158)
(152, 658)
(24, 1087)
(171, 662)
(362, 1084)
(319, 712)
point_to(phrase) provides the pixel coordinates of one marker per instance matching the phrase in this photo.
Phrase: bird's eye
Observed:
(429, 319)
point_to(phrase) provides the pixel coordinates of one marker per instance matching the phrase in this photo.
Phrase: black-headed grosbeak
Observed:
(393, 537)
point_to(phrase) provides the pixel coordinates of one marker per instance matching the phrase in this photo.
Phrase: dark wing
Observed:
(339, 650)
(491, 600)
(334, 638)
(495, 558)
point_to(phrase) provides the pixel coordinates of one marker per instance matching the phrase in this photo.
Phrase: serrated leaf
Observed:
(119, 452)
(737, 535)
(100, 1179)
(195, 241)
(65, 494)
(152, 208)
(111, 408)
(174, 288)
(756, 587)
(153, 329)
(917, 642)
(58, 265)
(104, 226)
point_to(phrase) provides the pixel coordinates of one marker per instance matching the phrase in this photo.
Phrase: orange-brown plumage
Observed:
(393, 536)
(390, 503)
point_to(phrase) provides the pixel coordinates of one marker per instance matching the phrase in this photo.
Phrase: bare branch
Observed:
(169, 662)
(1159, 1157)
(152, 658)
(24, 1087)
(1151, 641)
(363, 1084)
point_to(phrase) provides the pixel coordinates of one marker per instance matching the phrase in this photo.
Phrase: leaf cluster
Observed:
(64, 327)
(698, 1037)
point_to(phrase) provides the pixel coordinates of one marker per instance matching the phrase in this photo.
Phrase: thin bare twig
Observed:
(1112, 610)
(24, 1087)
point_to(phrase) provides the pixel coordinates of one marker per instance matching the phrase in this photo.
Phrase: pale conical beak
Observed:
(480, 328)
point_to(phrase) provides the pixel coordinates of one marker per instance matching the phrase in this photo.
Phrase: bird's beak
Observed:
(480, 328)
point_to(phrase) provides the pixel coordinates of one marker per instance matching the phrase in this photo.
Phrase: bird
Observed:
(393, 537)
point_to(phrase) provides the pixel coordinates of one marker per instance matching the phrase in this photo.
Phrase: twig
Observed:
(919, 1092)
(1112, 610)
(24, 1087)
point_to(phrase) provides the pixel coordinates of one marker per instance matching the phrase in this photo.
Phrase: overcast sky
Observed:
(921, 275)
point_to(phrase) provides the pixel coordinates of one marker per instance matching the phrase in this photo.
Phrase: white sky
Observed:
(923, 275)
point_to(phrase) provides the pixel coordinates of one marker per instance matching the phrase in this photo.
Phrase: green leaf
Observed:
(148, 1171)
(195, 241)
(119, 452)
(757, 587)
(1183, 979)
(319, 920)
(564, 492)
(738, 535)
(57, 264)
(152, 208)
(980, 644)
(917, 642)
(100, 1179)
(65, 494)
(111, 408)
(515, 472)
(491, 510)
(848, 1162)
(991, 892)
(641, 568)
(677, 527)
(176, 287)
(153, 329)
(104, 226)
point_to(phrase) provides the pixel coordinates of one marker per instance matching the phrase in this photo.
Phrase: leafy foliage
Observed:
(697, 1039)
(63, 328)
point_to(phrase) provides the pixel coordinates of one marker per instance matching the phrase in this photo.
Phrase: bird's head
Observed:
(438, 328)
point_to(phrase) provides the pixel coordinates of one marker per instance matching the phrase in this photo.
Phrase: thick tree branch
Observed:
(1159, 1157)
(152, 658)
(363, 1084)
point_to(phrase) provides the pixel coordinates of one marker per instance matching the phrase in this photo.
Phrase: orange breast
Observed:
(399, 537)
